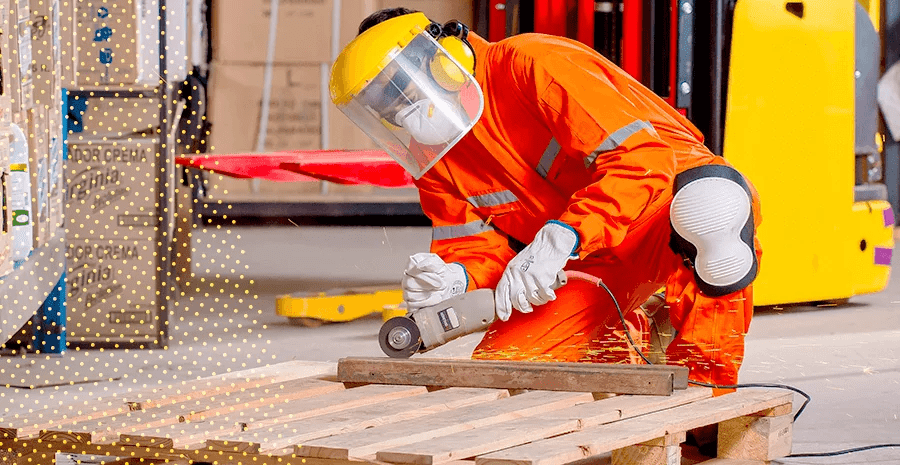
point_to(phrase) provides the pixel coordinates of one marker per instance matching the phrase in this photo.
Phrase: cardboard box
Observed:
(120, 117)
(20, 69)
(118, 42)
(111, 189)
(68, 44)
(303, 31)
(235, 108)
(107, 42)
(437, 10)
(112, 286)
(38, 158)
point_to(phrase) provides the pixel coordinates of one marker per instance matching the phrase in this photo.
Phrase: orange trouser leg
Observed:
(582, 324)
(711, 330)
(579, 326)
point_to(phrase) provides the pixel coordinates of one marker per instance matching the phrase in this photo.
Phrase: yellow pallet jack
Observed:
(313, 309)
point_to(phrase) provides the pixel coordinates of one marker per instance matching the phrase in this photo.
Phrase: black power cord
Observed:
(748, 385)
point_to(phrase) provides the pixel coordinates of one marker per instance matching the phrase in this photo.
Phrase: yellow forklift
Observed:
(785, 90)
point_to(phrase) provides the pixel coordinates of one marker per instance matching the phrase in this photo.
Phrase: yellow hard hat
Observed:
(408, 83)
(370, 52)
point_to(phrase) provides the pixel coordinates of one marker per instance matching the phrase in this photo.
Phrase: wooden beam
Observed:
(108, 429)
(277, 437)
(665, 450)
(606, 438)
(575, 377)
(756, 437)
(364, 444)
(524, 430)
(477, 441)
(193, 435)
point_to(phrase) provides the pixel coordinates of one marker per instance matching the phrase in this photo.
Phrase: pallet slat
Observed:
(606, 438)
(618, 379)
(108, 429)
(30, 424)
(278, 437)
(192, 435)
(364, 444)
(523, 430)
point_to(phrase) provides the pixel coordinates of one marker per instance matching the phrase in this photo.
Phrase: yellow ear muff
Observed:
(444, 71)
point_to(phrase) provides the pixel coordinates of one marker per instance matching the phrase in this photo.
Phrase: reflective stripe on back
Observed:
(616, 138)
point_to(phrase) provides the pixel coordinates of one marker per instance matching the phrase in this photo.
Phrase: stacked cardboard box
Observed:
(300, 113)
(117, 42)
(114, 164)
(112, 225)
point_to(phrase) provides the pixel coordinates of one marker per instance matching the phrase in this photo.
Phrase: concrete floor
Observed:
(847, 358)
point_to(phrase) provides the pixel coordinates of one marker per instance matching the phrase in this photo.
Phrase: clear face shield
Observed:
(420, 105)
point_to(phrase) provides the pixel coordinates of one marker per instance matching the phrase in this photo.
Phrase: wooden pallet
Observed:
(281, 415)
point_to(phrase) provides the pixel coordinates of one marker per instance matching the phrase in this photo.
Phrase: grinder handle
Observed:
(561, 280)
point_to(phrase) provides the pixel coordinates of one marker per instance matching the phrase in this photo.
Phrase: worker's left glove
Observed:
(428, 280)
(529, 277)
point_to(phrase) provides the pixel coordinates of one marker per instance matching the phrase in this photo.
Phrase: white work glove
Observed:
(530, 275)
(428, 280)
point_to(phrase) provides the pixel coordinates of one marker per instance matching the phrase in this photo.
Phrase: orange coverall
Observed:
(567, 135)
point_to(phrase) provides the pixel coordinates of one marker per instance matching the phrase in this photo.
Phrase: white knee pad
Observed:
(713, 229)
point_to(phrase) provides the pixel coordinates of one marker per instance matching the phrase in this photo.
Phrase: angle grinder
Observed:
(430, 327)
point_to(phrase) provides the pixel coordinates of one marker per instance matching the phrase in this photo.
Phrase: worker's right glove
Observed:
(531, 275)
(428, 280)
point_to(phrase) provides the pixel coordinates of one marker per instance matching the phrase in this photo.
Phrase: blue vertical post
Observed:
(50, 329)
(50, 334)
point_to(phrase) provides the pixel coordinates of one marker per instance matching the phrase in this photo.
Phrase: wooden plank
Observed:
(364, 444)
(523, 430)
(34, 452)
(108, 429)
(606, 438)
(720, 461)
(30, 424)
(193, 435)
(227, 382)
(595, 377)
(476, 441)
(277, 437)
(681, 373)
(627, 406)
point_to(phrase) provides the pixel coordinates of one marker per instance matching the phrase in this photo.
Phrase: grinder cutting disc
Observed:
(399, 337)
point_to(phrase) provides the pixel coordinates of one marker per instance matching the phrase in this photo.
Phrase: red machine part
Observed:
(372, 167)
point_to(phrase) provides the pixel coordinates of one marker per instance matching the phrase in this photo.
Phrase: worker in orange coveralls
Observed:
(536, 154)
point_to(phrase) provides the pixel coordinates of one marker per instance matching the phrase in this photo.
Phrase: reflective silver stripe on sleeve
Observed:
(493, 199)
(616, 138)
(455, 232)
(548, 158)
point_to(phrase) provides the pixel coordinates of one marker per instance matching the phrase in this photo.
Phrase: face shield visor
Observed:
(420, 105)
